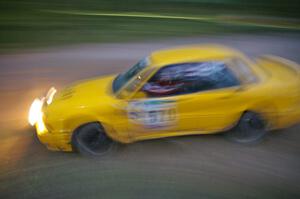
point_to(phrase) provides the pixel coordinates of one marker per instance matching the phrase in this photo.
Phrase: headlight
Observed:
(35, 115)
(35, 111)
(40, 124)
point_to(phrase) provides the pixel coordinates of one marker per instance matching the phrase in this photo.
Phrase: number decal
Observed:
(152, 113)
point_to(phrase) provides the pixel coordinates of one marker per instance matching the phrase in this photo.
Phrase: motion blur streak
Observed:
(214, 19)
(136, 15)
(35, 23)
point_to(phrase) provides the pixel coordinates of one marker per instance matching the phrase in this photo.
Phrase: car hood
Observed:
(81, 95)
(86, 90)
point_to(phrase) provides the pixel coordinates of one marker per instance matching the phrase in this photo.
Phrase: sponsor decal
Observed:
(153, 113)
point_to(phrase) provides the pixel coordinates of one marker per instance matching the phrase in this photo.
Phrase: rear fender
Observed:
(267, 111)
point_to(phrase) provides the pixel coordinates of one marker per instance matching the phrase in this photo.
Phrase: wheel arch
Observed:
(267, 111)
(75, 122)
(75, 130)
(80, 121)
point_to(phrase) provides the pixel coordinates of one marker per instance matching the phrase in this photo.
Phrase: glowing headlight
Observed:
(40, 124)
(35, 115)
(35, 111)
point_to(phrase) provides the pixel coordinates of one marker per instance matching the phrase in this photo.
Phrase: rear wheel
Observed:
(250, 129)
(91, 140)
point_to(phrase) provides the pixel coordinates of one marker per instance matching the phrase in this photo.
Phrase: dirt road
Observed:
(185, 167)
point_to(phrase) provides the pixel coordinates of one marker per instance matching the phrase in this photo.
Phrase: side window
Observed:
(187, 78)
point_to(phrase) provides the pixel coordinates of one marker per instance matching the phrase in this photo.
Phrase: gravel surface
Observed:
(184, 167)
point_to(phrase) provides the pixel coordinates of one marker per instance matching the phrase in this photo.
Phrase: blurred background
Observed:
(30, 23)
(46, 43)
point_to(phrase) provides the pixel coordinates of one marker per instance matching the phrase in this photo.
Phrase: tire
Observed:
(250, 129)
(91, 140)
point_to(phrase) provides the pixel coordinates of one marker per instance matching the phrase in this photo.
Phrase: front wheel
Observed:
(250, 129)
(91, 140)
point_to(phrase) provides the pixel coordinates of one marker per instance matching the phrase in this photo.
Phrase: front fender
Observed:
(73, 123)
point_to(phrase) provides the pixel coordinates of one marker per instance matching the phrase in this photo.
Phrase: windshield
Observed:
(125, 77)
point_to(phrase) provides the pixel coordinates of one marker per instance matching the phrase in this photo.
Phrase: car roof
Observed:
(191, 53)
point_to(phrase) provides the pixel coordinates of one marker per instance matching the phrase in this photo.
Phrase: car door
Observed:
(199, 97)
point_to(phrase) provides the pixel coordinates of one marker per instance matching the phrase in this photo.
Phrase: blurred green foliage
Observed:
(29, 23)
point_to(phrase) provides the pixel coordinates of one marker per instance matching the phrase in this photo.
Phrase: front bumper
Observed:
(56, 141)
(59, 141)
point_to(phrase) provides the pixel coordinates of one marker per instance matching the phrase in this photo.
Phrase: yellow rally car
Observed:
(181, 91)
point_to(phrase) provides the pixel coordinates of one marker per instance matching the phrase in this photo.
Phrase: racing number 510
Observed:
(161, 116)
